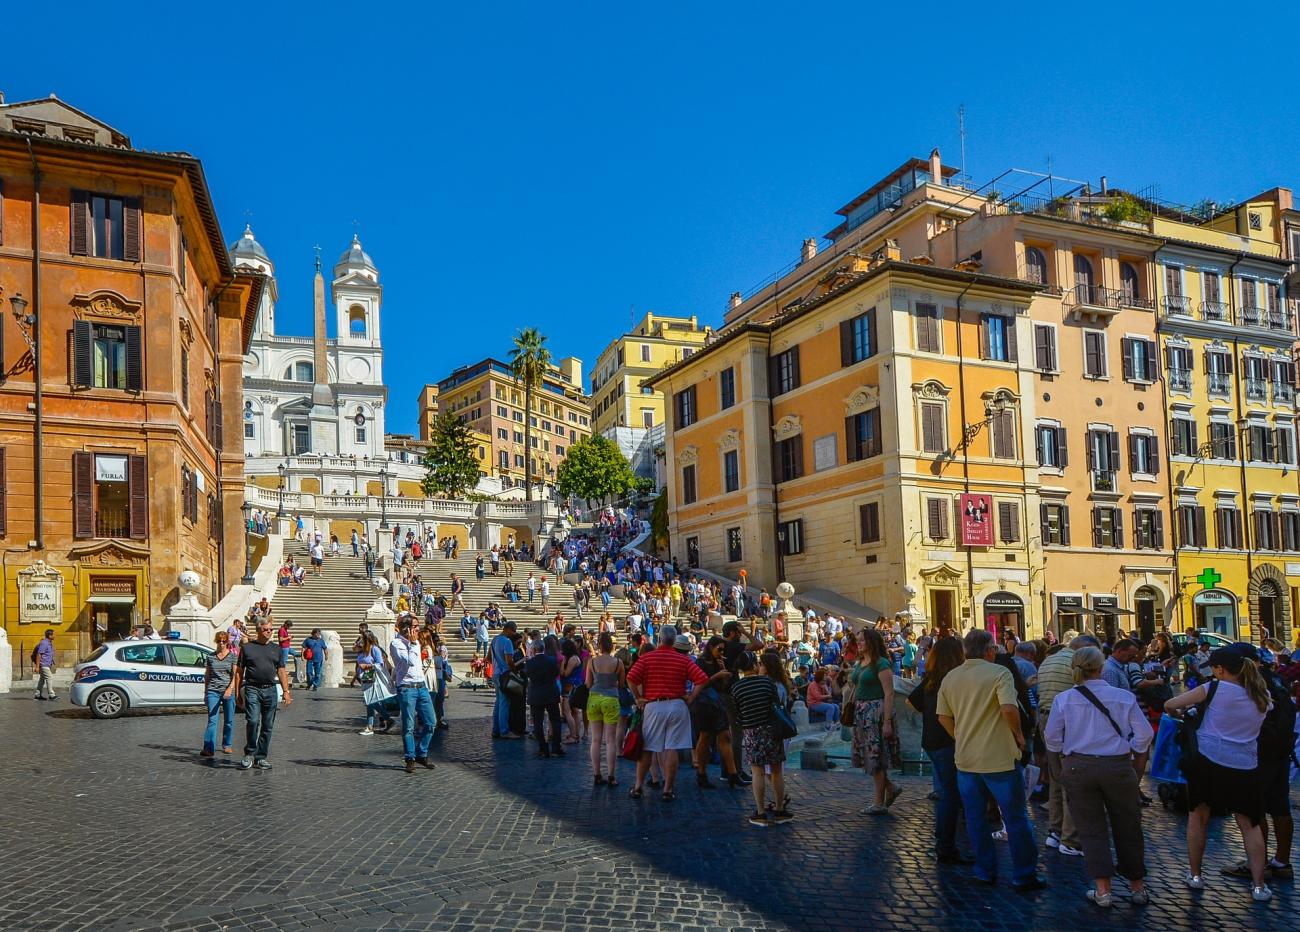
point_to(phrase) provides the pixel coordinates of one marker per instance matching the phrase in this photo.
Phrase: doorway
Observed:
(943, 609)
(1270, 609)
(1150, 618)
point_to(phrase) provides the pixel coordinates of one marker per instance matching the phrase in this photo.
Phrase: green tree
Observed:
(529, 360)
(450, 465)
(594, 468)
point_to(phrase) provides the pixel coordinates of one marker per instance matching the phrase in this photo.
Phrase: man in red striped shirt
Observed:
(658, 681)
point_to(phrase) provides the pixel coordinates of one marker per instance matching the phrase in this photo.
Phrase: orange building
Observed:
(121, 342)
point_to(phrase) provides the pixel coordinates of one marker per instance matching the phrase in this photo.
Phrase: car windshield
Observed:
(96, 654)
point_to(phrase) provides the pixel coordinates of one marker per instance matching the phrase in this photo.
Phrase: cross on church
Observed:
(1209, 578)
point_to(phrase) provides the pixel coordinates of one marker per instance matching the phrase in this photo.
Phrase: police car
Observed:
(123, 675)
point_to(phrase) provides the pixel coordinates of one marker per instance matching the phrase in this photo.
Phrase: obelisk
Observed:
(324, 417)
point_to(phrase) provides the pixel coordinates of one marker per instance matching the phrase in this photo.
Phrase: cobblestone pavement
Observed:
(120, 825)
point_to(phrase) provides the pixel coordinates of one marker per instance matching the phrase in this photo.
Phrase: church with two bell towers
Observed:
(316, 395)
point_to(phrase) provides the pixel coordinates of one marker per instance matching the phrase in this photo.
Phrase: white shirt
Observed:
(316, 552)
(546, 588)
(1230, 732)
(407, 666)
(1076, 726)
(834, 626)
(532, 584)
(634, 622)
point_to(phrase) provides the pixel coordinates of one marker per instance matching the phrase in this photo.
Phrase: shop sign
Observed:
(976, 520)
(1214, 597)
(40, 595)
(1004, 602)
(110, 468)
(112, 585)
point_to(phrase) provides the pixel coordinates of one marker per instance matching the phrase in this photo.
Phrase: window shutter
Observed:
(219, 432)
(1042, 524)
(1126, 353)
(134, 360)
(1091, 449)
(1045, 348)
(1137, 530)
(984, 337)
(1013, 351)
(4, 503)
(1276, 520)
(850, 438)
(872, 347)
(1132, 453)
(83, 372)
(83, 495)
(1158, 520)
(874, 442)
(1219, 528)
(1153, 454)
(927, 328)
(846, 343)
(1065, 525)
(773, 372)
(79, 215)
(931, 428)
(1096, 529)
(797, 459)
(1009, 522)
(1153, 370)
(1117, 528)
(138, 486)
(794, 367)
(132, 247)
(1060, 447)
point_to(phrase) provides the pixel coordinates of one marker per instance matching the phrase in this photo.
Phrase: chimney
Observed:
(808, 251)
(1103, 186)
(892, 252)
(936, 166)
(735, 301)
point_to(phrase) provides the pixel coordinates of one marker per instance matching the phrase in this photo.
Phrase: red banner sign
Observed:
(976, 520)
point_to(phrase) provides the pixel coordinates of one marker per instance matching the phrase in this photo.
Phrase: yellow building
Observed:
(428, 410)
(618, 398)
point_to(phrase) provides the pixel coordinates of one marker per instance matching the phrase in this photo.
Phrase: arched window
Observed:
(357, 322)
(1035, 265)
(1083, 280)
(1128, 282)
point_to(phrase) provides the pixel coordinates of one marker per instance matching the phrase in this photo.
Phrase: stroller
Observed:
(1171, 785)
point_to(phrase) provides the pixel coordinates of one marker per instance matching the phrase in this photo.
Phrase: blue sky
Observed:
(567, 165)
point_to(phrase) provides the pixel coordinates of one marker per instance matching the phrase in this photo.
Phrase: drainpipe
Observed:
(38, 477)
(965, 456)
(1169, 472)
(1241, 445)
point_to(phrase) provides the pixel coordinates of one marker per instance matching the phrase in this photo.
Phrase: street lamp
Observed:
(25, 320)
(383, 497)
(993, 407)
(247, 509)
(281, 469)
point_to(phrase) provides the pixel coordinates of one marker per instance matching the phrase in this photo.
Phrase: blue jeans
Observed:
(259, 709)
(375, 710)
(225, 706)
(501, 711)
(829, 709)
(949, 805)
(417, 721)
(314, 668)
(1008, 790)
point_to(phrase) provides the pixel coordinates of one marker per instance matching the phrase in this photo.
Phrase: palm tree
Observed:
(529, 361)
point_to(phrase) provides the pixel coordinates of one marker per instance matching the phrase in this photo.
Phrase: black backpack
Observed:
(1277, 733)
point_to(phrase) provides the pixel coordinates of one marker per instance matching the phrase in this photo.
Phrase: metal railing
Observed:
(1094, 296)
(1256, 389)
(1283, 393)
(1180, 380)
(1175, 304)
(1103, 480)
(1215, 310)
(1253, 317)
(1219, 383)
(112, 522)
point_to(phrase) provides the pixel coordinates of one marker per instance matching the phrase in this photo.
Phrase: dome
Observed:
(248, 249)
(355, 259)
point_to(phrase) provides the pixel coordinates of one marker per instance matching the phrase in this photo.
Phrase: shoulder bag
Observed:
(1092, 697)
(1187, 739)
(782, 723)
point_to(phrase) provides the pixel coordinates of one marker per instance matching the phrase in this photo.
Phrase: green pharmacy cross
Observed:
(1209, 578)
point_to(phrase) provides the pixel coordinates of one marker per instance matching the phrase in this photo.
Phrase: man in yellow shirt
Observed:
(977, 706)
(675, 595)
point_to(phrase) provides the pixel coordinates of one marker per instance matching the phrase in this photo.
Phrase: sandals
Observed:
(611, 782)
(668, 796)
(634, 793)
(598, 780)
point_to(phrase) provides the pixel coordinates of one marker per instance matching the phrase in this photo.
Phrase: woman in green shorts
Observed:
(605, 674)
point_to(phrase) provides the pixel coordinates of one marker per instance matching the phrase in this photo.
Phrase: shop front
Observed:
(1109, 621)
(1216, 610)
(111, 604)
(1004, 612)
(1069, 614)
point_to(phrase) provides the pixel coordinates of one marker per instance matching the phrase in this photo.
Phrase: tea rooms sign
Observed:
(40, 594)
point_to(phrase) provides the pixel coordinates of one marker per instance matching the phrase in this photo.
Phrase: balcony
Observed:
(1283, 393)
(1180, 380)
(1256, 389)
(1215, 311)
(1093, 300)
(1175, 305)
(1253, 317)
(1219, 383)
(1280, 320)
(1103, 480)
(112, 522)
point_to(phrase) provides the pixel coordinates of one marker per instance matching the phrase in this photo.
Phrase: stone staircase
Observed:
(337, 599)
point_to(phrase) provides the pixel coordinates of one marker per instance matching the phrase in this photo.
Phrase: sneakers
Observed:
(366, 731)
(425, 763)
(1279, 871)
(1000, 834)
(780, 815)
(1261, 894)
(1194, 882)
(246, 764)
(264, 764)
(1104, 900)
(1140, 897)
(759, 819)
(1065, 849)
(1053, 840)
(1273, 869)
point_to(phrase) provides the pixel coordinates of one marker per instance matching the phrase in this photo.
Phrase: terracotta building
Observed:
(121, 342)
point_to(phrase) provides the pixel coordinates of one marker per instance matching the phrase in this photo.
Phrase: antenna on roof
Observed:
(961, 130)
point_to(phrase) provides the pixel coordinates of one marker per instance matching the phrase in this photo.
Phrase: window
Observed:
(1218, 372)
(858, 338)
(546, 425)
(503, 459)
(862, 435)
(519, 461)
(1289, 526)
(361, 434)
(1179, 359)
(518, 416)
(185, 378)
(1139, 359)
(784, 371)
(789, 459)
(143, 654)
(1257, 373)
(1284, 444)
(693, 552)
(789, 535)
(502, 411)
(559, 451)
(927, 328)
(1094, 354)
(1103, 458)
(1268, 533)
(106, 356)
(1191, 526)
(936, 518)
(869, 522)
(250, 430)
(1009, 522)
(684, 407)
(688, 484)
(997, 338)
(932, 428)
(1260, 444)
(1035, 265)
(1148, 529)
(1227, 527)
(1223, 441)
(1143, 454)
(1055, 520)
(727, 381)
(1045, 347)
(110, 496)
(647, 418)
(1051, 445)
(1002, 434)
(1107, 527)
(503, 434)
(105, 227)
(645, 352)
(357, 323)
(1212, 307)
(734, 551)
(1129, 283)
(1084, 282)
(1182, 432)
(731, 471)
(517, 436)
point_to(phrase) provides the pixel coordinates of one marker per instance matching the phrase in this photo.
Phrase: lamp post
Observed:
(281, 469)
(247, 509)
(383, 497)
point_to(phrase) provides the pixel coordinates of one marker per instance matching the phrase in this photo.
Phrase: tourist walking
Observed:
(756, 700)
(317, 556)
(219, 696)
(502, 653)
(314, 651)
(457, 592)
(709, 715)
(1103, 739)
(1224, 772)
(604, 677)
(543, 674)
(259, 670)
(658, 681)
(944, 656)
(977, 705)
(370, 561)
(413, 698)
(43, 659)
(875, 736)
(374, 676)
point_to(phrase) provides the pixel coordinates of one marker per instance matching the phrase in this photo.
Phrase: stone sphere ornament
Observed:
(785, 591)
(380, 584)
(189, 580)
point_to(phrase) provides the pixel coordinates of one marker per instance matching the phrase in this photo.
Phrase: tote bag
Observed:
(380, 688)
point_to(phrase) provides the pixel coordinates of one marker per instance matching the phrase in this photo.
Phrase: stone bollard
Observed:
(812, 756)
(800, 715)
(6, 663)
(332, 672)
(908, 722)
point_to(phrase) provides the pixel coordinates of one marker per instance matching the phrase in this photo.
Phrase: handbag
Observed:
(1187, 738)
(783, 723)
(847, 712)
(578, 698)
(513, 686)
(634, 741)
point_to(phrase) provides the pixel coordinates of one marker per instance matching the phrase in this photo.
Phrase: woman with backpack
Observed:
(1223, 771)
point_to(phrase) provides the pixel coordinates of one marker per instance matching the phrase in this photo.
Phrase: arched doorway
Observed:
(1268, 610)
(1004, 611)
(1216, 610)
(1270, 604)
(1149, 606)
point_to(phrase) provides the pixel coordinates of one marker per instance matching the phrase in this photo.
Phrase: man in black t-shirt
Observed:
(732, 651)
(260, 668)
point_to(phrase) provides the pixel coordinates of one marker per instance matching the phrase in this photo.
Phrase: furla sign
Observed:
(40, 594)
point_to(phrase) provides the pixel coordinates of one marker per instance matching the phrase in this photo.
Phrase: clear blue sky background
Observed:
(557, 165)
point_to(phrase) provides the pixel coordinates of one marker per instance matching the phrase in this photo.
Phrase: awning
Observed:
(114, 599)
(1113, 610)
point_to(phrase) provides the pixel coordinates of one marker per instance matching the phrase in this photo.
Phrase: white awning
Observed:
(114, 599)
